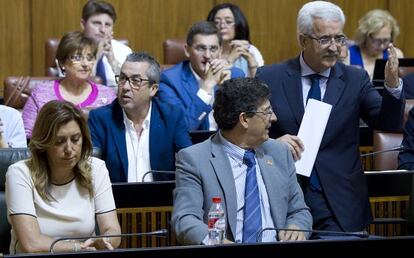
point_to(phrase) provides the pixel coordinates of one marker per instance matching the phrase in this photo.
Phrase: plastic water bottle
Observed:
(216, 222)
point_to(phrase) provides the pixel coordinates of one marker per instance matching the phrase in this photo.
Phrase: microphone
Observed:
(160, 233)
(160, 172)
(396, 148)
(360, 234)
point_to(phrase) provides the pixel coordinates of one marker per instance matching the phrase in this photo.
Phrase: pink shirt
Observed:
(45, 92)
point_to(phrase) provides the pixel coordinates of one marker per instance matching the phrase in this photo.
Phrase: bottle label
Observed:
(221, 223)
(212, 221)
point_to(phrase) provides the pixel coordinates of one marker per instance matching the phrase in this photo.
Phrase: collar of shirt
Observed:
(198, 78)
(306, 82)
(305, 70)
(129, 125)
(234, 151)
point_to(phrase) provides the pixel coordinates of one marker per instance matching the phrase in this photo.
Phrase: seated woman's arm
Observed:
(104, 209)
(399, 52)
(31, 239)
(3, 143)
(108, 225)
(243, 48)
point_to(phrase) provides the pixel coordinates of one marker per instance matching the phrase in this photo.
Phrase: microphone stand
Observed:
(396, 148)
(160, 233)
(157, 171)
(361, 234)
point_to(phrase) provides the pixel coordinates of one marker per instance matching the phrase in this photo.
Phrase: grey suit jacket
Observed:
(203, 171)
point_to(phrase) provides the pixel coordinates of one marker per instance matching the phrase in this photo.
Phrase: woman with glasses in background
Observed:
(234, 30)
(76, 57)
(376, 31)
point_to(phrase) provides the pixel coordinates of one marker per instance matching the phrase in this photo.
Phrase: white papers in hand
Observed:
(311, 132)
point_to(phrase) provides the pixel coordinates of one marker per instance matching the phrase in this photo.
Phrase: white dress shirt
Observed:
(138, 149)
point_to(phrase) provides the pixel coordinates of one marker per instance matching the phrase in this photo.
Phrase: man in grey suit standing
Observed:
(254, 175)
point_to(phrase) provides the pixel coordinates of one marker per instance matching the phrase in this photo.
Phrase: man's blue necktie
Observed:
(252, 221)
(314, 93)
(100, 70)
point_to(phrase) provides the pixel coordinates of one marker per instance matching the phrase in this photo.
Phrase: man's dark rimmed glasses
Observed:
(267, 113)
(327, 40)
(134, 82)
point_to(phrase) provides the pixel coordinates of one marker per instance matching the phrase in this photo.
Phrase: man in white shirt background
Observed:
(98, 18)
(12, 132)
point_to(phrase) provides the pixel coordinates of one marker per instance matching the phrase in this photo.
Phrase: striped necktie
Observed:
(252, 219)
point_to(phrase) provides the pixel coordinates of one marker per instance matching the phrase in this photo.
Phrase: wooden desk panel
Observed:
(148, 219)
(147, 207)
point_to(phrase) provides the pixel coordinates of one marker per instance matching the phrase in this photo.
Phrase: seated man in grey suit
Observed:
(240, 159)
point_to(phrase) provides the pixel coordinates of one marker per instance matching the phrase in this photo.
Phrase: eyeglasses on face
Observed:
(134, 81)
(267, 113)
(328, 40)
(202, 49)
(227, 23)
(378, 41)
(77, 59)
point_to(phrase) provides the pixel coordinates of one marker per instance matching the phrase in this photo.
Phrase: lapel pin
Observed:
(269, 162)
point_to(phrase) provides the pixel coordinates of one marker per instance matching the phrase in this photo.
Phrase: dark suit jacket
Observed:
(338, 163)
(179, 87)
(408, 82)
(168, 134)
(406, 157)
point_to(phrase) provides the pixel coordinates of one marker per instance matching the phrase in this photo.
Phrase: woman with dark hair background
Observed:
(234, 30)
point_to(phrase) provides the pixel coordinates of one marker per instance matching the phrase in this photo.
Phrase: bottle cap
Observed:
(216, 199)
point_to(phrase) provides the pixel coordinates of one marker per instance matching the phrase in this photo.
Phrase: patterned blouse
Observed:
(49, 90)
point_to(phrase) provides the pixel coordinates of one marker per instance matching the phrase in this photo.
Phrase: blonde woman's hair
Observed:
(50, 119)
(372, 22)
